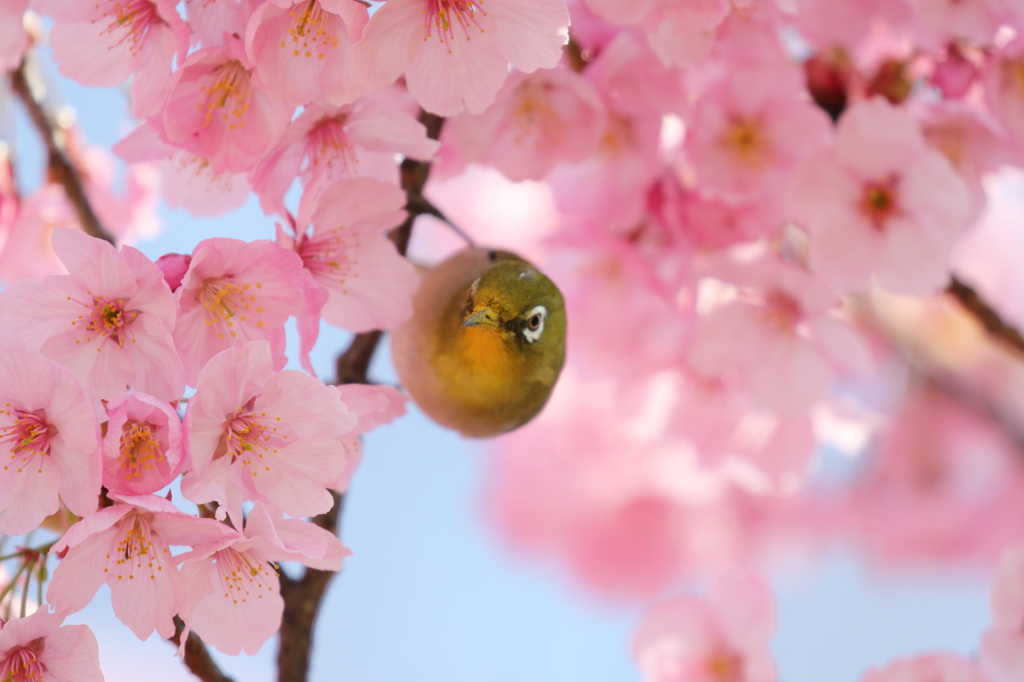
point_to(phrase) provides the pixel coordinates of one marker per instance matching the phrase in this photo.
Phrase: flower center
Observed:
(744, 139)
(250, 437)
(22, 665)
(311, 31)
(140, 449)
(328, 147)
(447, 16)
(229, 91)
(783, 312)
(725, 667)
(245, 575)
(133, 18)
(108, 318)
(223, 299)
(136, 555)
(326, 257)
(879, 203)
(28, 435)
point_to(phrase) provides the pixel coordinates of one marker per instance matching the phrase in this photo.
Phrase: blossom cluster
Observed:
(744, 203)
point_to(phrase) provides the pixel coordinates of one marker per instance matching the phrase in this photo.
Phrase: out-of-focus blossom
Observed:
(972, 143)
(725, 636)
(750, 129)
(940, 22)
(536, 121)
(941, 486)
(941, 667)
(826, 23)
(126, 546)
(145, 445)
(1003, 79)
(1002, 648)
(455, 54)
(881, 203)
(48, 436)
(39, 647)
(778, 334)
(13, 38)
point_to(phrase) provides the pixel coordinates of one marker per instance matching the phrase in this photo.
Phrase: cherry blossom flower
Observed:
(723, 637)
(27, 252)
(48, 437)
(881, 203)
(39, 647)
(777, 333)
(624, 504)
(1004, 89)
(188, 180)
(234, 292)
(258, 435)
(455, 53)
(144, 447)
(1002, 647)
(326, 143)
(13, 38)
(304, 51)
(102, 44)
(941, 667)
(750, 129)
(373, 406)
(173, 266)
(944, 486)
(211, 21)
(233, 591)
(971, 141)
(536, 121)
(109, 320)
(126, 546)
(826, 23)
(941, 22)
(369, 284)
(216, 112)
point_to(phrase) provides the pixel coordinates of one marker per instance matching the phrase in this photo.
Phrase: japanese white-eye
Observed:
(485, 343)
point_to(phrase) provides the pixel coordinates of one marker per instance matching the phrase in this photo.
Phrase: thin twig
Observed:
(197, 656)
(303, 596)
(423, 206)
(985, 315)
(27, 84)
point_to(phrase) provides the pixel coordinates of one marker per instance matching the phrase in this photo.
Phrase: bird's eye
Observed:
(534, 324)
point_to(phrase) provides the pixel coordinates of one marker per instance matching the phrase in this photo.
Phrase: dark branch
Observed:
(985, 315)
(303, 596)
(26, 83)
(197, 657)
(574, 53)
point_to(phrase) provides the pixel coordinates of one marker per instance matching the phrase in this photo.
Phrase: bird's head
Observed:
(521, 306)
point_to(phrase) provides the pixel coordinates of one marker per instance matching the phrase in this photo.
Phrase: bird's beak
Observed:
(484, 317)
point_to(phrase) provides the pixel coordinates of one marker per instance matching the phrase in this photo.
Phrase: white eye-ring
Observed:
(535, 323)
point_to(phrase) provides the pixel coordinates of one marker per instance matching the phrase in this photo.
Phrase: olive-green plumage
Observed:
(485, 344)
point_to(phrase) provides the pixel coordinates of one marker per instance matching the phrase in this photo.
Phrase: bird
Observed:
(485, 343)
